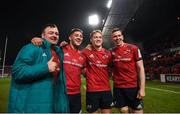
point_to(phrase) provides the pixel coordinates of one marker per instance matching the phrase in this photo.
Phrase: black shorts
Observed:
(96, 100)
(127, 97)
(75, 103)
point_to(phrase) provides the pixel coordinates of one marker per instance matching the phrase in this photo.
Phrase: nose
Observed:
(55, 34)
(117, 37)
(80, 37)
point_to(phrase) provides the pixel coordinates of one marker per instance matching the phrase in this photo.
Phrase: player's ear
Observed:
(90, 40)
(70, 38)
(42, 35)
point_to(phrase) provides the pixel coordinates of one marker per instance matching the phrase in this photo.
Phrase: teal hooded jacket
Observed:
(32, 86)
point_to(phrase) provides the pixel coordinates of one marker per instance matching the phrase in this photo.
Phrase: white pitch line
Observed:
(163, 90)
(171, 86)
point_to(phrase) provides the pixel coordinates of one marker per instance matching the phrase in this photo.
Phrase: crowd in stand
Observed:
(163, 64)
(164, 57)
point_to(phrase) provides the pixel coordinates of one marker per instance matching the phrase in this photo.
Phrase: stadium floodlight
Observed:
(93, 20)
(109, 3)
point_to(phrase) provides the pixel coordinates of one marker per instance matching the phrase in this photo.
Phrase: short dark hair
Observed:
(115, 30)
(75, 30)
(95, 31)
(48, 25)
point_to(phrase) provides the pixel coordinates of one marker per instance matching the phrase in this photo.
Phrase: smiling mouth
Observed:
(79, 41)
(54, 39)
(98, 41)
(118, 39)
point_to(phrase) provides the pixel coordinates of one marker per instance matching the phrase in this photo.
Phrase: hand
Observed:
(141, 94)
(89, 47)
(63, 43)
(37, 41)
(52, 65)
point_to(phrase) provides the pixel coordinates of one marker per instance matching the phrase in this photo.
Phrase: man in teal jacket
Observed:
(38, 78)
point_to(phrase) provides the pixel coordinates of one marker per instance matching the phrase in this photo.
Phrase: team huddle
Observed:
(47, 77)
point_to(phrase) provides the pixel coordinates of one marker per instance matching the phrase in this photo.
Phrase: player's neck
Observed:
(73, 46)
(120, 44)
(98, 48)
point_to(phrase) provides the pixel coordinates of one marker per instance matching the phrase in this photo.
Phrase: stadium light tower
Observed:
(4, 60)
(93, 20)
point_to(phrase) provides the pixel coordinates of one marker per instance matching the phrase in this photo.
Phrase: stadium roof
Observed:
(143, 20)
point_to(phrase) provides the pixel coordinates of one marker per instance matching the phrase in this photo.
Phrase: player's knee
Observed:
(124, 109)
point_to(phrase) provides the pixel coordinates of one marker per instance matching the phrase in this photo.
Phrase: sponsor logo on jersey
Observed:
(74, 60)
(113, 53)
(105, 56)
(73, 63)
(80, 58)
(66, 54)
(91, 56)
(122, 59)
(98, 64)
(127, 51)
(125, 59)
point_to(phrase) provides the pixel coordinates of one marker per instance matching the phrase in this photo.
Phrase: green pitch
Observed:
(4, 93)
(160, 97)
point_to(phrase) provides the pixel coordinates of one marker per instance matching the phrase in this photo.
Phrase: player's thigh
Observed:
(92, 101)
(133, 101)
(106, 101)
(119, 98)
(75, 103)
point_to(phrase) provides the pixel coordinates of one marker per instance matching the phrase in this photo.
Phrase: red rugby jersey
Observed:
(124, 69)
(97, 77)
(55, 59)
(73, 63)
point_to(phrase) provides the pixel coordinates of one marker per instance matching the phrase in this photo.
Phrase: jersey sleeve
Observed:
(84, 56)
(137, 53)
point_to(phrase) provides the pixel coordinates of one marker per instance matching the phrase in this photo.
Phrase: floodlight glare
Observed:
(93, 20)
(109, 3)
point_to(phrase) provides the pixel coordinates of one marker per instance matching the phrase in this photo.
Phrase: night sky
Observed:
(22, 19)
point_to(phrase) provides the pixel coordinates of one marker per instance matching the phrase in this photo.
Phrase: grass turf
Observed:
(160, 97)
